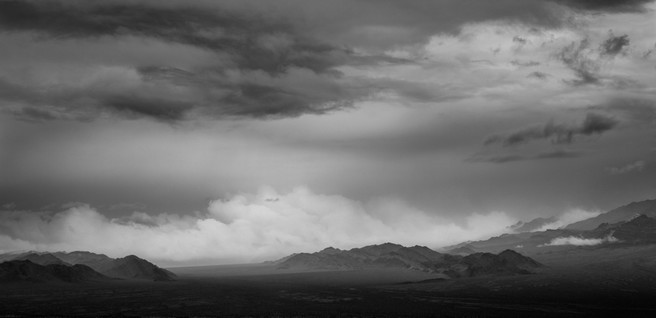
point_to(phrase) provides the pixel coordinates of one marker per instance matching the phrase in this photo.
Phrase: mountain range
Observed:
(623, 213)
(77, 266)
(421, 258)
(634, 230)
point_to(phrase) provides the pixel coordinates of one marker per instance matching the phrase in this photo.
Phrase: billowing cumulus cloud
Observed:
(245, 227)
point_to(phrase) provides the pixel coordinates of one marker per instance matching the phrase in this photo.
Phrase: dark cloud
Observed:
(614, 45)
(507, 158)
(520, 40)
(265, 67)
(498, 158)
(558, 133)
(634, 110)
(596, 124)
(257, 49)
(576, 57)
(647, 53)
(136, 106)
(524, 63)
(586, 61)
(606, 5)
(251, 41)
(273, 59)
(538, 75)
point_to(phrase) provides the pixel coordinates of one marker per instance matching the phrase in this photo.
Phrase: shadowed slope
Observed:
(25, 270)
(414, 258)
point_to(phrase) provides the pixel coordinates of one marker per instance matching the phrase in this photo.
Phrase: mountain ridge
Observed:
(619, 214)
(420, 258)
(129, 267)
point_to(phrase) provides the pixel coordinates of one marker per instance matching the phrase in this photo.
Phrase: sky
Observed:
(205, 132)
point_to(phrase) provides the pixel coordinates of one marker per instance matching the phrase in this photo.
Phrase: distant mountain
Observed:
(133, 267)
(526, 243)
(130, 267)
(624, 213)
(420, 258)
(82, 257)
(25, 270)
(533, 225)
(638, 230)
(506, 262)
(465, 249)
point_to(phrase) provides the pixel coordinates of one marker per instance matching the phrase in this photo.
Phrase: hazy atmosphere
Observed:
(232, 131)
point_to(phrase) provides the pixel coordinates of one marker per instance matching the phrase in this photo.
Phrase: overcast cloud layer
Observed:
(463, 110)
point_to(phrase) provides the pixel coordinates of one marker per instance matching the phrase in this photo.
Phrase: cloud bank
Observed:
(243, 228)
(579, 241)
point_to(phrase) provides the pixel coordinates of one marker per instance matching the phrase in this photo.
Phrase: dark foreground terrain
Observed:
(263, 290)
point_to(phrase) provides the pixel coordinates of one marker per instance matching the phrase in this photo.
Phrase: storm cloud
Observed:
(258, 59)
(593, 124)
(607, 5)
(507, 158)
(254, 67)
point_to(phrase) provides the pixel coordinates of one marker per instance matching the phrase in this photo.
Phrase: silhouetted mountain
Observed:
(533, 225)
(130, 267)
(133, 267)
(415, 258)
(383, 255)
(506, 262)
(25, 270)
(623, 213)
